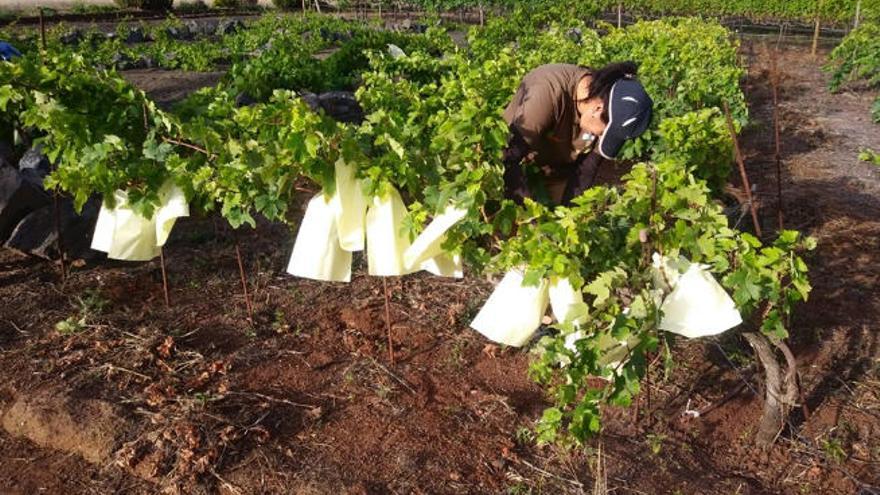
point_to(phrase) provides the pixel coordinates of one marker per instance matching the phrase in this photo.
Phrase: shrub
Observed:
(191, 7)
(145, 4)
(287, 4)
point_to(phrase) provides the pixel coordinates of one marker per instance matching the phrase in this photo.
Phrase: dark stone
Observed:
(7, 154)
(35, 161)
(342, 106)
(207, 27)
(228, 26)
(34, 166)
(193, 28)
(120, 60)
(147, 62)
(575, 34)
(312, 100)
(244, 100)
(136, 35)
(179, 33)
(19, 195)
(72, 37)
(36, 233)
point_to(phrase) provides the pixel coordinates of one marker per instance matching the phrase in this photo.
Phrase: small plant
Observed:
(870, 156)
(834, 451)
(456, 353)
(279, 323)
(71, 325)
(87, 306)
(519, 489)
(655, 442)
(525, 436)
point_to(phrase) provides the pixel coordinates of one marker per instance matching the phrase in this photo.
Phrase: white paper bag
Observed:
(566, 303)
(428, 244)
(444, 265)
(666, 271)
(385, 245)
(698, 306)
(134, 236)
(173, 206)
(352, 211)
(126, 235)
(513, 312)
(102, 238)
(316, 251)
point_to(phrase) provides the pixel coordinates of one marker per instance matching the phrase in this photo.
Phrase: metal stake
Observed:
(388, 320)
(742, 169)
(164, 277)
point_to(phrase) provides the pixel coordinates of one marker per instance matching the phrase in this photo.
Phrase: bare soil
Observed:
(306, 399)
(167, 87)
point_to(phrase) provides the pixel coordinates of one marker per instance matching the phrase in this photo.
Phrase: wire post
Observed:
(164, 277)
(816, 30)
(244, 288)
(59, 238)
(388, 320)
(774, 84)
(742, 169)
(42, 29)
(858, 14)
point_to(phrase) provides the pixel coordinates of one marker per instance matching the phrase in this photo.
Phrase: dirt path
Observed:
(305, 400)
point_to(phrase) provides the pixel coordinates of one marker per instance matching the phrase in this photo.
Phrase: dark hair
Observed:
(603, 79)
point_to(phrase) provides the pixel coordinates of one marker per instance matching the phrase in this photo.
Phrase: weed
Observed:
(456, 353)
(70, 325)
(87, 307)
(524, 436)
(383, 391)
(279, 322)
(519, 489)
(834, 451)
(655, 442)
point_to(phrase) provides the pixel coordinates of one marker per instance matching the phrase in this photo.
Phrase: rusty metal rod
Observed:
(774, 84)
(742, 169)
(164, 277)
(388, 320)
(244, 288)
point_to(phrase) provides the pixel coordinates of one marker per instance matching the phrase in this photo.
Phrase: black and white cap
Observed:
(629, 114)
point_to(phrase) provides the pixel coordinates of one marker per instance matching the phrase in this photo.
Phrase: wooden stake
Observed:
(247, 297)
(816, 30)
(42, 30)
(388, 320)
(164, 277)
(619, 15)
(742, 169)
(59, 237)
(858, 14)
(774, 83)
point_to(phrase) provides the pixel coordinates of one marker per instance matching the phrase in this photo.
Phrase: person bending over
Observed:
(563, 120)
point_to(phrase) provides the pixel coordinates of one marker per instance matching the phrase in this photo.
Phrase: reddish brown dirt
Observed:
(305, 400)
